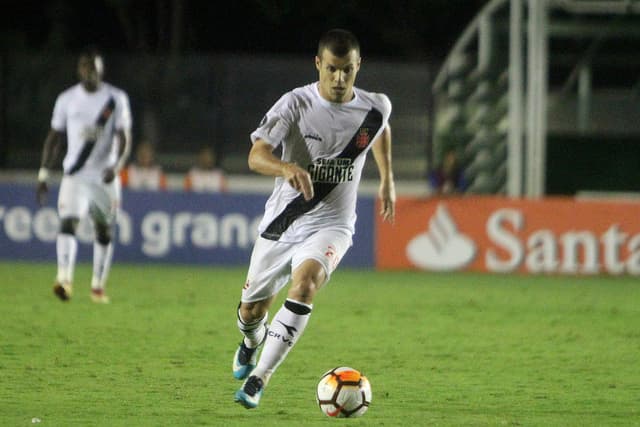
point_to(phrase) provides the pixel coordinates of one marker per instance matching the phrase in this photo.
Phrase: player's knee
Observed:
(68, 225)
(252, 311)
(304, 290)
(103, 234)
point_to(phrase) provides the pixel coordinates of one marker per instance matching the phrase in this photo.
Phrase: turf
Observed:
(439, 349)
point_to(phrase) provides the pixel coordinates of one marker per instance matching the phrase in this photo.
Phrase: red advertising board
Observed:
(504, 235)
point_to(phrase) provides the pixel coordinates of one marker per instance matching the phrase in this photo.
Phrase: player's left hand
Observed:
(108, 175)
(387, 196)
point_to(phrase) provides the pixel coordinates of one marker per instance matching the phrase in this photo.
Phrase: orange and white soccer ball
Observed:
(343, 392)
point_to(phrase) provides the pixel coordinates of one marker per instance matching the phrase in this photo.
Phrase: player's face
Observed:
(90, 70)
(337, 74)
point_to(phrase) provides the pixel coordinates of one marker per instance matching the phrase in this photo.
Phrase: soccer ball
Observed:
(343, 392)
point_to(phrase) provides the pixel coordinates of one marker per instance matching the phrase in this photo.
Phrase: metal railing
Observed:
(491, 93)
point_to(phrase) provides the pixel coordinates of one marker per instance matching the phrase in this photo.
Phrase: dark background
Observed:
(215, 40)
(398, 30)
(187, 64)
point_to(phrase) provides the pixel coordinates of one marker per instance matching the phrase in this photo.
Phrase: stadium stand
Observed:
(527, 79)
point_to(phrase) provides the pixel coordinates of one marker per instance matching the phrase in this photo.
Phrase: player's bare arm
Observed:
(263, 161)
(387, 191)
(50, 151)
(124, 149)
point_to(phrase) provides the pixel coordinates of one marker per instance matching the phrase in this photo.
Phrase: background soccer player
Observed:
(325, 129)
(95, 117)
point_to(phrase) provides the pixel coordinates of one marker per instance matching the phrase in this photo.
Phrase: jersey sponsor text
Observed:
(332, 171)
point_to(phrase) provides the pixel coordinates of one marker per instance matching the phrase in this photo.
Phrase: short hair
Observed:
(91, 51)
(339, 42)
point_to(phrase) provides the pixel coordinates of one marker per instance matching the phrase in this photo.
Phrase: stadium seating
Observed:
(474, 90)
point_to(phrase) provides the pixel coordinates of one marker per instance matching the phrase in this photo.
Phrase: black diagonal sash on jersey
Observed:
(299, 206)
(104, 115)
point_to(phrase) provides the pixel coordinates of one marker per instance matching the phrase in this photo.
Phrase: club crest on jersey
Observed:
(363, 138)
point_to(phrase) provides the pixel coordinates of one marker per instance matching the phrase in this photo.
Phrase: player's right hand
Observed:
(299, 179)
(41, 193)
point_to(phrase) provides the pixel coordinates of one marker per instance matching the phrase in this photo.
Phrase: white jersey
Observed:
(329, 140)
(90, 120)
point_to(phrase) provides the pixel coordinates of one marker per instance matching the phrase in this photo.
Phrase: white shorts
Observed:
(80, 196)
(272, 262)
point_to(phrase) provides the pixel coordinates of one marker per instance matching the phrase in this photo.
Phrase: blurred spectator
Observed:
(448, 177)
(144, 173)
(205, 176)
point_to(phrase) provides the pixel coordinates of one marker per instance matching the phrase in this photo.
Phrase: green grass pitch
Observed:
(439, 349)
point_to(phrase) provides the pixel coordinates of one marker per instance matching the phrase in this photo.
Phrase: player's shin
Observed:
(67, 249)
(102, 256)
(285, 330)
(253, 331)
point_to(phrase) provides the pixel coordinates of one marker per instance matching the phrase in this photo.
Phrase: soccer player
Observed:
(325, 130)
(95, 118)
